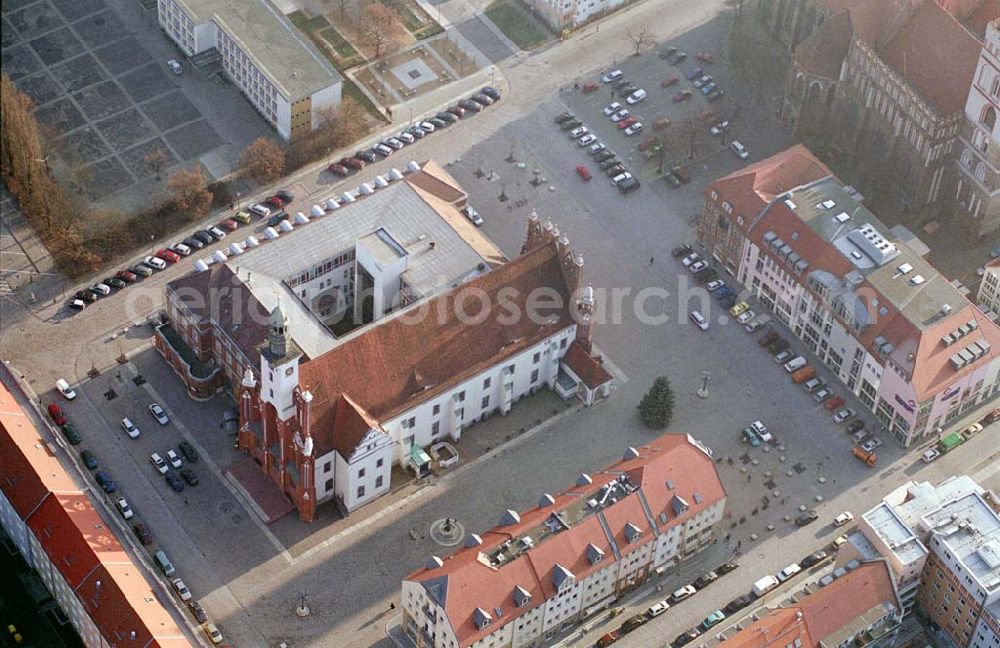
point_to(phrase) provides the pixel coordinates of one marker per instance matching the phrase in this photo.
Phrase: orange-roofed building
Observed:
(543, 569)
(72, 548)
(890, 326)
(862, 605)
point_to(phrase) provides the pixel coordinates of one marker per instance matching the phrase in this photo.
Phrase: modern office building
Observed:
(895, 331)
(544, 569)
(274, 65)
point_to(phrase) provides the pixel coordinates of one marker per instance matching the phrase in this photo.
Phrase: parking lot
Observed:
(97, 73)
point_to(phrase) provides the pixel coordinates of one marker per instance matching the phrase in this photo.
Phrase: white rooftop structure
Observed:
(970, 532)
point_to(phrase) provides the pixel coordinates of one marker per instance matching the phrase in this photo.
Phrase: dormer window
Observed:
(482, 618)
(727, 207)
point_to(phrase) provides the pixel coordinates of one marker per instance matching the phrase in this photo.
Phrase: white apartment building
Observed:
(278, 70)
(988, 296)
(544, 569)
(572, 14)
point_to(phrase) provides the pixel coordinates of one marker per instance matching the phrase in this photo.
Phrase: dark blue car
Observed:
(104, 481)
(89, 460)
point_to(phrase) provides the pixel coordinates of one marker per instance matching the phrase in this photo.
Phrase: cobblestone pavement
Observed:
(353, 573)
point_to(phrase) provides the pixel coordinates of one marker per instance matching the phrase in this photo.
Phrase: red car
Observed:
(458, 111)
(229, 224)
(275, 201)
(705, 57)
(666, 83)
(127, 276)
(57, 414)
(168, 255)
(625, 123)
(590, 87)
(354, 163)
(682, 95)
(584, 172)
(338, 169)
(833, 403)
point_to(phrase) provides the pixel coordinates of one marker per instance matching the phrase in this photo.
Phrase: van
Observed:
(799, 376)
(699, 320)
(164, 563)
(788, 572)
(260, 210)
(795, 363)
(763, 586)
(740, 150)
(65, 389)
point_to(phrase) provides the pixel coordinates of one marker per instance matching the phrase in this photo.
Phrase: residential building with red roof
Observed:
(74, 550)
(544, 569)
(859, 608)
(451, 334)
(884, 83)
(891, 327)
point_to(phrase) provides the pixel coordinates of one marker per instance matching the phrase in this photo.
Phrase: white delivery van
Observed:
(763, 586)
(65, 389)
(795, 364)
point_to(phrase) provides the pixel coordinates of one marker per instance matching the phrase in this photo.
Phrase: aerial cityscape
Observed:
(500, 323)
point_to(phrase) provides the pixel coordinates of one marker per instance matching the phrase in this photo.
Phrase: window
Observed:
(408, 423)
(437, 410)
(378, 464)
(534, 376)
(327, 466)
(408, 440)
(536, 358)
(461, 396)
(378, 482)
(562, 343)
(486, 402)
(435, 428)
(361, 491)
(486, 383)
(361, 473)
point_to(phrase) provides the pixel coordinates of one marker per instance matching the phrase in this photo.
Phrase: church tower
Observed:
(279, 365)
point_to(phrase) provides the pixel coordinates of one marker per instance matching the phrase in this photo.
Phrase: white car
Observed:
(714, 285)
(181, 249)
(843, 415)
(930, 455)
(216, 232)
(587, 139)
(683, 593)
(427, 127)
(633, 129)
(158, 414)
(620, 178)
(754, 325)
(698, 266)
(579, 131)
(175, 67)
(158, 463)
(620, 115)
(657, 610)
(636, 96)
(745, 316)
(612, 76)
(822, 394)
(471, 213)
(871, 444)
(843, 518)
(691, 258)
(124, 508)
(65, 389)
(781, 357)
(406, 138)
(155, 263)
(181, 589)
(719, 128)
(699, 320)
(612, 108)
(130, 429)
(761, 430)
(174, 460)
(596, 148)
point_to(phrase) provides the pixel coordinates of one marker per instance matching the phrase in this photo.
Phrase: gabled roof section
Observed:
(823, 52)
(591, 372)
(351, 426)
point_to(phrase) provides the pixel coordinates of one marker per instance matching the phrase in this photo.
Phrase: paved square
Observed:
(7, 35)
(99, 29)
(19, 61)
(134, 158)
(78, 73)
(36, 19)
(62, 114)
(101, 100)
(83, 145)
(146, 82)
(126, 129)
(122, 55)
(42, 88)
(57, 46)
(170, 110)
(77, 9)
(194, 139)
(414, 73)
(105, 177)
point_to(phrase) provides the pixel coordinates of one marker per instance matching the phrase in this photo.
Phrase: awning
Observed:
(418, 457)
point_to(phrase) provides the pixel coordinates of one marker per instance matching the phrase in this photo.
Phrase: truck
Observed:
(763, 586)
(803, 374)
(950, 442)
(870, 458)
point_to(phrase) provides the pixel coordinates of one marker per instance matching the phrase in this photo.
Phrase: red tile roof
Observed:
(823, 612)
(934, 370)
(586, 366)
(465, 581)
(388, 368)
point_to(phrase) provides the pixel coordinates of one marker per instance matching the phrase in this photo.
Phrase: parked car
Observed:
(683, 95)
(930, 455)
(596, 148)
(470, 105)
(814, 558)
(85, 296)
(633, 129)
(129, 428)
(88, 459)
(628, 184)
(587, 139)
(217, 233)
(156, 263)
(456, 110)
(338, 169)
(141, 270)
(714, 285)
(682, 593)
(104, 481)
(746, 316)
(407, 138)
(425, 126)
(681, 251)
(205, 237)
(833, 403)
(719, 128)
(168, 255)
(808, 517)
(114, 282)
(822, 394)
(124, 508)
(142, 532)
(843, 415)
(855, 426)
(158, 414)
(761, 430)
(713, 619)
(739, 603)
(173, 459)
(197, 611)
(604, 155)
(751, 437)
(687, 636)
(188, 451)
(188, 475)
(657, 609)
(56, 414)
(705, 580)
(174, 482)
(490, 92)
(725, 568)
(213, 633)
(70, 433)
(127, 276)
(473, 215)
(583, 172)
(369, 156)
(614, 75)
(698, 266)
(636, 97)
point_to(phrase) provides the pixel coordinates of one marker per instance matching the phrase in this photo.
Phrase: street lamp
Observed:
(703, 390)
(152, 238)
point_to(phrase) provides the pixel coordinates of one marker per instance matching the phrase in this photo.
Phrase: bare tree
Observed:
(190, 193)
(342, 124)
(639, 37)
(155, 160)
(379, 27)
(263, 160)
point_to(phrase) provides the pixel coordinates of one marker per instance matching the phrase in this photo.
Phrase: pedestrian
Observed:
(392, 606)
(576, 86)
(748, 477)
(186, 501)
(651, 260)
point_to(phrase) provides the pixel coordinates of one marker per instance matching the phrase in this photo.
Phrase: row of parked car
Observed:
(679, 595)
(604, 157)
(467, 107)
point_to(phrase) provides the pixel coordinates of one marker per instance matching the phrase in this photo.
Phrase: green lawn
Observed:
(344, 49)
(518, 26)
(308, 24)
